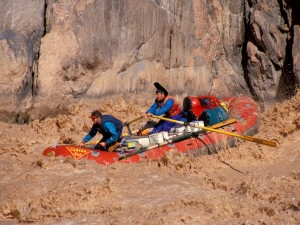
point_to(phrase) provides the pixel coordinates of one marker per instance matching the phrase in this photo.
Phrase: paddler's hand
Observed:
(148, 114)
(100, 146)
(81, 144)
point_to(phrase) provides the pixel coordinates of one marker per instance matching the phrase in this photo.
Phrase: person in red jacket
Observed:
(164, 105)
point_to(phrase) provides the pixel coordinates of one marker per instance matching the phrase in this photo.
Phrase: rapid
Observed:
(248, 184)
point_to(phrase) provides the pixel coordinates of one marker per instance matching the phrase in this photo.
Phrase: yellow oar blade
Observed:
(248, 138)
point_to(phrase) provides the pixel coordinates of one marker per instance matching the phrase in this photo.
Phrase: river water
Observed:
(249, 184)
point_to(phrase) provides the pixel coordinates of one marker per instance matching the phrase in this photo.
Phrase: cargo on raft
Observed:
(188, 138)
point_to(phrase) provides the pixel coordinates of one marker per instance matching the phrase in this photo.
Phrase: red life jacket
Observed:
(174, 111)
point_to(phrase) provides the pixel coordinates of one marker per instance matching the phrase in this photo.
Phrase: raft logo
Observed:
(78, 153)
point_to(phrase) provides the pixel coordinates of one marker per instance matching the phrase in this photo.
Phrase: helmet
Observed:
(160, 89)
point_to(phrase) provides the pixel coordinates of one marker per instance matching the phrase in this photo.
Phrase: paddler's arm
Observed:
(167, 106)
(90, 135)
(152, 109)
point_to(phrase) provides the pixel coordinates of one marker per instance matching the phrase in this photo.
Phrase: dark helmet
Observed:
(160, 89)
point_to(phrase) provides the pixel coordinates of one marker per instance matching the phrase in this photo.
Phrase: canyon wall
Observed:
(54, 53)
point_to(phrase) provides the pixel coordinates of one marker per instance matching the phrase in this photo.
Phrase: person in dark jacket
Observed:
(164, 105)
(110, 128)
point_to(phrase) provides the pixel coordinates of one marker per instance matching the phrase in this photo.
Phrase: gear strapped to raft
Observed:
(205, 108)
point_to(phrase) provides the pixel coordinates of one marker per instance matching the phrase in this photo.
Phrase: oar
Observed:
(248, 138)
(127, 124)
(175, 139)
(136, 119)
(132, 132)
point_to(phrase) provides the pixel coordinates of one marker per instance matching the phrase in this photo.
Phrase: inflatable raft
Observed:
(187, 139)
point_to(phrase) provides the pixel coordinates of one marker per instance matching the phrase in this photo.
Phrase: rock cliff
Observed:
(54, 53)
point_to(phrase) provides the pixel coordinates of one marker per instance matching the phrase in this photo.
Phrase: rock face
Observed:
(57, 52)
(21, 30)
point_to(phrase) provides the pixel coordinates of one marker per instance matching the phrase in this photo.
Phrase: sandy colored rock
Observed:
(55, 52)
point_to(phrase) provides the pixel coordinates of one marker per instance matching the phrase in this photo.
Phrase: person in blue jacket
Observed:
(164, 105)
(107, 125)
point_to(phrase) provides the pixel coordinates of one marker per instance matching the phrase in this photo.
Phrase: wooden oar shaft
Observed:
(128, 123)
(248, 138)
(127, 134)
(224, 123)
(136, 119)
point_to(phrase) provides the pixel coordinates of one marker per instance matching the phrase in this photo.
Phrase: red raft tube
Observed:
(243, 112)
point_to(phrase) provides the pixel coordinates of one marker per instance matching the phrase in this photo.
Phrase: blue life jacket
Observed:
(107, 118)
